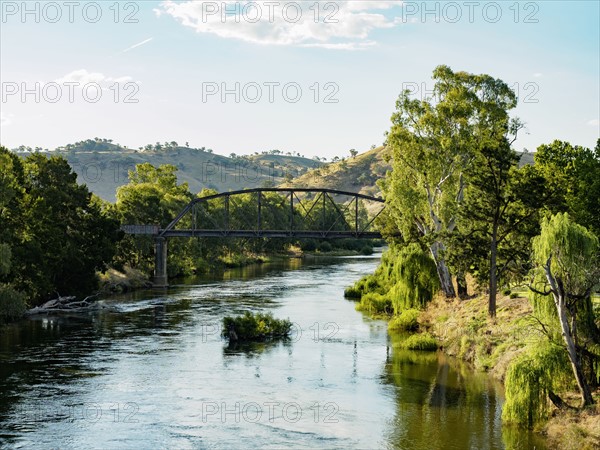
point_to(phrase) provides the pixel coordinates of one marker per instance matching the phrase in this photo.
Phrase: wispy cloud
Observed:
(139, 44)
(82, 76)
(594, 123)
(344, 25)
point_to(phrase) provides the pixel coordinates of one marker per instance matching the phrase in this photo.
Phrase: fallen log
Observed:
(67, 304)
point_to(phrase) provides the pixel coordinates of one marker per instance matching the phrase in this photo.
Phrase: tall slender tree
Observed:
(434, 140)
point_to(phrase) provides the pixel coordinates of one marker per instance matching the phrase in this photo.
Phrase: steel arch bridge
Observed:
(300, 213)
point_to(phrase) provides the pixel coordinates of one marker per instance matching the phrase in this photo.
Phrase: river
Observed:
(152, 371)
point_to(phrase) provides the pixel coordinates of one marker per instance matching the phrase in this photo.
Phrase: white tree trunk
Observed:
(442, 269)
(560, 302)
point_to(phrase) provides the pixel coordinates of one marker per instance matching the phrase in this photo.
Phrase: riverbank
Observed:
(115, 281)
(464, 330)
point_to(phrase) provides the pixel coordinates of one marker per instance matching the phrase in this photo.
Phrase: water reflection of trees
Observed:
(254, 349)
(437, 407)
(442, 403)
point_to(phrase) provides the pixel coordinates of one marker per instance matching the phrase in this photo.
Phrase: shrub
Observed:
(374, 303)
(325, 247)
(405, 321)
(255, 327)
(366, 284)
(352, 292)
(366, 250)
(310, 245)
(414, 277)
(506, 292)
(12, 304)
(420, 342)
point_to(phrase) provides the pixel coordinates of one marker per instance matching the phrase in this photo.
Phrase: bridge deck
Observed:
(272, 234)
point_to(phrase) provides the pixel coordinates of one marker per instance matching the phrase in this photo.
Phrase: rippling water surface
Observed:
(152, 371)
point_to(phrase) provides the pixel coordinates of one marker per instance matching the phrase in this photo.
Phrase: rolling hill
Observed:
(358, 174)
(103, 166)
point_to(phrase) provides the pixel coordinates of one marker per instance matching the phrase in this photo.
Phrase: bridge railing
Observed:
(273, 212)
(141, 229)
(276, 209)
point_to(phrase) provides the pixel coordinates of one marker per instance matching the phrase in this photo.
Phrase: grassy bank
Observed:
(463, 329)
(115, 282)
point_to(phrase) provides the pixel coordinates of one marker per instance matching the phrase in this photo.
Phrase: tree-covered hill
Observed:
(355, 174)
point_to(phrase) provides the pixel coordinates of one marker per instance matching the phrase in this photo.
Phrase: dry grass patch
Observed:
(574, 429)
(464, 330)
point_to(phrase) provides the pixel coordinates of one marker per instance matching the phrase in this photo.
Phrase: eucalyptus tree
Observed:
(498, 218)
(434, 141)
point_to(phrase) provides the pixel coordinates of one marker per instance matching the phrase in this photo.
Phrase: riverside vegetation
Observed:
(255, 327)
(472, 222)
(497, 264)
(58, 239)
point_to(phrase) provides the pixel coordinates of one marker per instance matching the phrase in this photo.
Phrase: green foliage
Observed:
(12, 304)
(475, 323)
(419, 341)
(375, 304)
(57, 233)
(567, 253)
(571, 174)
(152, 195)
(352, 292)
(498, 216)
(435, 142)
(529, 380)
(309, 245)
(325, 247)
(406, 278)
(573, 251)
(5, 259)
(405, 321)
(366, 250)
(255, 327)
(415, 278)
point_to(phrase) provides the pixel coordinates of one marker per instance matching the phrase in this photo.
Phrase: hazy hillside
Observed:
(526, 158)
(103, 166)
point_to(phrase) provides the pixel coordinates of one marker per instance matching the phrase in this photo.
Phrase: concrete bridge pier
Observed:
(160, 264)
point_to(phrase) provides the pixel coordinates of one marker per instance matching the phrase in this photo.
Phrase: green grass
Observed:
(405, 321)
(423, 341)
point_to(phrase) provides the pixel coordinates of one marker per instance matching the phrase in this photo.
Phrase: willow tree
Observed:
(566, 255)
(434, 140)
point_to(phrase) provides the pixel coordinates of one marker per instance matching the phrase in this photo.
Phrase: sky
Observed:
(315, 78)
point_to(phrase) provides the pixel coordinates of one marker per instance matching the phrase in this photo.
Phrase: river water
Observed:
(151, 371)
